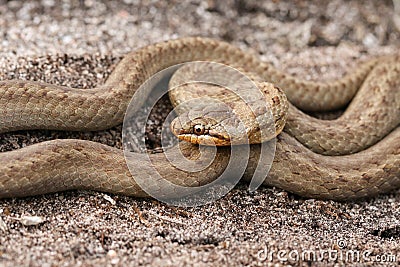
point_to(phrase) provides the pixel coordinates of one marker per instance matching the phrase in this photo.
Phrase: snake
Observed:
(354, 156)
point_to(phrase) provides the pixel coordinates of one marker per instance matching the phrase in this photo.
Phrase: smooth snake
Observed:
(354, 156)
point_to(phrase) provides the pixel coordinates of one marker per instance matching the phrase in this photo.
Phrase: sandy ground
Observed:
(78, 43)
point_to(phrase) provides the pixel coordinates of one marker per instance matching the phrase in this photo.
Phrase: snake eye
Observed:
(198, 129)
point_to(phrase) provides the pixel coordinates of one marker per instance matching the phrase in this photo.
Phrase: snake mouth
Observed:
(208, 140)
(208, 136)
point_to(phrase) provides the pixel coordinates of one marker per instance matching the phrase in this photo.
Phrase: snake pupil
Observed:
(198, 129)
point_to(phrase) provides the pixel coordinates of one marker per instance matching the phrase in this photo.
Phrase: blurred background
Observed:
(49, 26)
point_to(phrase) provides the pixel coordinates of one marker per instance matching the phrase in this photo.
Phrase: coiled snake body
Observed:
(355, 156)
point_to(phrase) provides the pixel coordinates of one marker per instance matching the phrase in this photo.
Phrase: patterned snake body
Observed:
(368, 129)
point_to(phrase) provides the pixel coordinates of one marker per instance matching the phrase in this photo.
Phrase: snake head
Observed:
(200, 130)
(231, 121)
(216, 124)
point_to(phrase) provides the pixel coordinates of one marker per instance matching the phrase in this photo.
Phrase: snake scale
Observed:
(354, 156)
